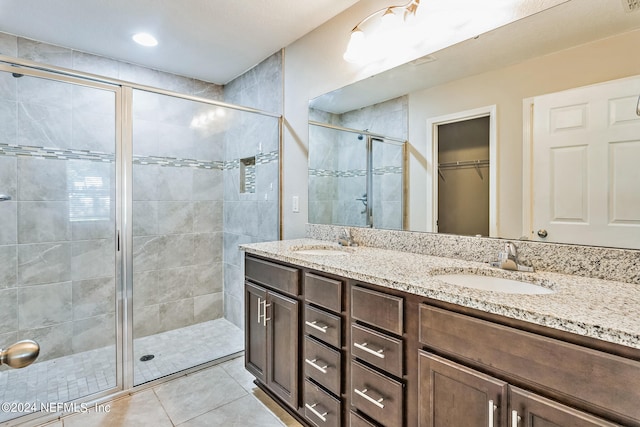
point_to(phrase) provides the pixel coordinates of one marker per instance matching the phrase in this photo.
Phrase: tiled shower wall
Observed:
(57, 282)
(338, 169)
(322, 157)
(177, 213)
(250, 217)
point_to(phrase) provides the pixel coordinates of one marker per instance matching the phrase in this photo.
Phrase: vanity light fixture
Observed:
(145, 39)
(382, 35)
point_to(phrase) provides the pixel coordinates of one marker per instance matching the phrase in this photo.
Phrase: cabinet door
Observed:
(452, 395)
(255, 353)
(282, 347)
(527, 409)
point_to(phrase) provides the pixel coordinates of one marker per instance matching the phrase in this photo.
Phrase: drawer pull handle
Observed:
(313, 363)
(515, 419)
(312, 408)
(365, 347)
(319, 327)
(363, 393)
(492, 408)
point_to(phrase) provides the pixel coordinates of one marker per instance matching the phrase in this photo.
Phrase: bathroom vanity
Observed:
(370, 337)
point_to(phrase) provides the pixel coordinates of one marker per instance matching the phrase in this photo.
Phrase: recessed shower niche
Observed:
(248, 175)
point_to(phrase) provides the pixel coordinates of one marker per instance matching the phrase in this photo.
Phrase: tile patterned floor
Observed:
(223, 395)
(78, 375)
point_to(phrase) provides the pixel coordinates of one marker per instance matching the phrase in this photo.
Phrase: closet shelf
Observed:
(466, 163)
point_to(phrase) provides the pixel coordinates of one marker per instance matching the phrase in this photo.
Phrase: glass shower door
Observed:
(178, 304)
(58, 279)
(387, 177)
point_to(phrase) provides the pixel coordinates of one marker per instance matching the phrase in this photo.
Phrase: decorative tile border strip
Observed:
(54, 153)
(177, 162)
(97, 156)
(386, 170)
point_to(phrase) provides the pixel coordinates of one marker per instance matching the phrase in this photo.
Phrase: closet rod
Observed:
(466, 163)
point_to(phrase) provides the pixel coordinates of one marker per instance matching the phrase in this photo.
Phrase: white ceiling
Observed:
(211, 40)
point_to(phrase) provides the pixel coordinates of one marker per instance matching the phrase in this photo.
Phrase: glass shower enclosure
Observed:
(112, 232)
(59, 144)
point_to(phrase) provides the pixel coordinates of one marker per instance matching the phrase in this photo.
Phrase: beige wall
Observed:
(600, 61)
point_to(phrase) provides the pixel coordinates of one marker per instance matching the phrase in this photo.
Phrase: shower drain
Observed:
(146, 357)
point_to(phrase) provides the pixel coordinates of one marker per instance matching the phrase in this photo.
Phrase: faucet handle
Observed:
(511, 250)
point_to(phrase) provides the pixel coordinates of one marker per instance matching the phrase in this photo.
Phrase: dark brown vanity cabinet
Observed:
(455, 395)
(323, 350)
(337, 352)
(498, 362)
(271, 327)
(376, 365)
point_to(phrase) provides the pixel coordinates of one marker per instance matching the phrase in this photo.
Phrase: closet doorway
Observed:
(464, 173)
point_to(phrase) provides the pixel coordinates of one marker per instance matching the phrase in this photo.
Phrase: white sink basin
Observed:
(322, 251)
(495, 284)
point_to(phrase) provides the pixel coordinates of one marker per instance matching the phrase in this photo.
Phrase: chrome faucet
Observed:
(347, 240)
(508, 259)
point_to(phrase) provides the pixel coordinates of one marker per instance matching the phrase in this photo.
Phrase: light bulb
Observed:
(356, 47)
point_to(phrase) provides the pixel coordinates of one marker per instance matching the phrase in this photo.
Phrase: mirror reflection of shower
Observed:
(356, 177)
(363, 199)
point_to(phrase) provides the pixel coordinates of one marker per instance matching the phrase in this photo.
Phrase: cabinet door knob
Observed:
(542, 233)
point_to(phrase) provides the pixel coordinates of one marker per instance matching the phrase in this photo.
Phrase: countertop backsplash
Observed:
(588, 261)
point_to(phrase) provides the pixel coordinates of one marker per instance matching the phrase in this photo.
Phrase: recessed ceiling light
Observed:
(145, 39)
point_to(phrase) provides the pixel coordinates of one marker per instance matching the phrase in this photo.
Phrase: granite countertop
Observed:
(601, 309)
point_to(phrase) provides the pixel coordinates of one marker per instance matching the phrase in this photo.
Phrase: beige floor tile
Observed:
(140, 409)
(276, 409)
(235, 368)
(244, 412)
(188, 397)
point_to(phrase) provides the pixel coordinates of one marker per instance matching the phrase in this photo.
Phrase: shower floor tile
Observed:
(74, 376)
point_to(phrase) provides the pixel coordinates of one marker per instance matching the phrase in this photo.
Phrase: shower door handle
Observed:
(20, 355)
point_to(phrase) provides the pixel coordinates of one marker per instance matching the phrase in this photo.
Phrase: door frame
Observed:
(432, 159)
(527, 167)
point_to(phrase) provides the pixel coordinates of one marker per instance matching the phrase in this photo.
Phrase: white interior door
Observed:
(586, 165)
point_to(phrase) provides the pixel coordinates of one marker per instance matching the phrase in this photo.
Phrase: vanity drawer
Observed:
(322, 325)
(377, 309)
(322, 364)
(319, 407)
(378, 349)
(356, 420)
(585, 374)
(323, 291)
(376, 395)
(276, 276)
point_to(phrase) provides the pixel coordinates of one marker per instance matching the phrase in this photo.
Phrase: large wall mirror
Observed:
(503, 135)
